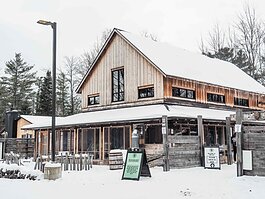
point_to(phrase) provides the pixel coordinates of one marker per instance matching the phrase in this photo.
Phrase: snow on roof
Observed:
(38, 120)
(134, 113)
(178, 62)
(35, 118)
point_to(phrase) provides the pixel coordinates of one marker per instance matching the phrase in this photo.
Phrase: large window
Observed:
(240, 101)
(89, 142)
(211, 97)
(145, 92)
(118, 85)
(182, 92)
(93, 100)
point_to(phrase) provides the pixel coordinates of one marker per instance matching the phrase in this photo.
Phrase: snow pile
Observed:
(25, 169)
(100, 182)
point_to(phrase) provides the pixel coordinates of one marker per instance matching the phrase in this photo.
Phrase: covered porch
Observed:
(99, 132)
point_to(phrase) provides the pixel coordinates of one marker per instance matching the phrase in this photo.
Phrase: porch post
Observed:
(165, 143)
(239, 118)
(228, 140)
(201, 137)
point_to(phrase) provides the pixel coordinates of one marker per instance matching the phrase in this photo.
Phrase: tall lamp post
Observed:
(53, 25)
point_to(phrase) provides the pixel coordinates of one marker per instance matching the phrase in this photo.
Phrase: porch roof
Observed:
(132, 114)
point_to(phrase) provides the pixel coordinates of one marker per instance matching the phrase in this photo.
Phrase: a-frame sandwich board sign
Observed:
(135, 165)
(212, 157)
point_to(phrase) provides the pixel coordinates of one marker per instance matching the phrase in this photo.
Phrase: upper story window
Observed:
(241, 102)
(118, 85)
(182, 92)
(145, 92)
(211, 97)
(93, 100)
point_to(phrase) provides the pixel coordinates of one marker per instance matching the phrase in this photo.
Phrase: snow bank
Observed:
(193, 183)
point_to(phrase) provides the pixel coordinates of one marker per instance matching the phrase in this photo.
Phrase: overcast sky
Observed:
(81, 22)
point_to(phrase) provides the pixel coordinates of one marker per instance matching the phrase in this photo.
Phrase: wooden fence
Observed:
(22, 146)
(75, 162)
(256, 143)
(184, 151)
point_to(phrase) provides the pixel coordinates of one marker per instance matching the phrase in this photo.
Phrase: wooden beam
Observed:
(201, 136)
(165, 143)
(239, 118)
(228, 141)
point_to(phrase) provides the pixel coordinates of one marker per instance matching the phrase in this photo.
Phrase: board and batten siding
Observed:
(201, 90)
(137, 72)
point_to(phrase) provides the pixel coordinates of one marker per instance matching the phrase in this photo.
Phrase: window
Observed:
(184, 93)
(153, 135)
(215, 98)
(240, 101)
(145, 92)
(118, 85)
(92, 100)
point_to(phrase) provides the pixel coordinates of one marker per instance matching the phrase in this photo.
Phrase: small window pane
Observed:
(97, 100)
(190, 94)
(182, 92)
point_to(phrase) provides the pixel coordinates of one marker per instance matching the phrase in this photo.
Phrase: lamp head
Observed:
(43, 22)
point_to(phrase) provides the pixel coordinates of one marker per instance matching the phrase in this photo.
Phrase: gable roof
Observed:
(173, 61)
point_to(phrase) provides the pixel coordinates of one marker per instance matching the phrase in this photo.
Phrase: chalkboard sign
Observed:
(135, 165)
(212, 157)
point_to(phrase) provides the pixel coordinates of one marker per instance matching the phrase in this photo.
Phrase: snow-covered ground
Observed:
(100, 182)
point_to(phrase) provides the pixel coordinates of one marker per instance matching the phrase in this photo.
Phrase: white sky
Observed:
(81, 22)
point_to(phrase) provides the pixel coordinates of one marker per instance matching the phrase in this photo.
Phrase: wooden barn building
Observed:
(133, 82)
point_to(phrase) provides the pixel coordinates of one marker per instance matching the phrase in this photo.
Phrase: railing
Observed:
(75, 162)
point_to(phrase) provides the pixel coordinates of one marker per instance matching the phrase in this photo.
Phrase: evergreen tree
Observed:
(44, 100)
(246, 44)
(63, 107)
(18, 82)
(239, 58)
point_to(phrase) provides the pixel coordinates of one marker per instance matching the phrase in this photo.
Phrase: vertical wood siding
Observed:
(137, 72)
(201, 90)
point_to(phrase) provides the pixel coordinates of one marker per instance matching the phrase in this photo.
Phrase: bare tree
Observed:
(243, 44)
(149, 35)
(87, 58)
(70, 67)
(215, 42)
(250, 37)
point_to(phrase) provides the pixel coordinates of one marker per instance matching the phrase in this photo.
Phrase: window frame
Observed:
(119, 86)
(239, 102)
(217, 96)
(96, 102)
(146, 91)
(183, 93)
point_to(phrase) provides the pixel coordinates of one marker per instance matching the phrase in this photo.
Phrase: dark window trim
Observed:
(241, 102)
(216, 98)
(95, 102)
(179, 92)
(147, 91)
(120, 85)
